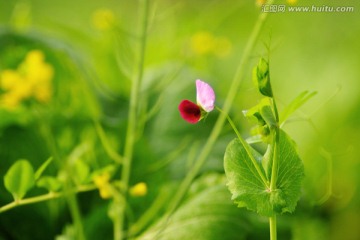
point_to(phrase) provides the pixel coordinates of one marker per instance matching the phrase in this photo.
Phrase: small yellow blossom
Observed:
(138, 190)
(9, 79)
(101, 179)
(10, 101)
(33, 78)
(205, 43)
(103, 19)
(106, 191)
(202, 43)
(36, 69)
(42, 93)
(103, 184)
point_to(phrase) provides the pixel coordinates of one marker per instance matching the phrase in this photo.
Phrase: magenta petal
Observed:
(205, 95)
(189, 111)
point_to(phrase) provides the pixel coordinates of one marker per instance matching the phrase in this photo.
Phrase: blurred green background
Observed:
(91, 45)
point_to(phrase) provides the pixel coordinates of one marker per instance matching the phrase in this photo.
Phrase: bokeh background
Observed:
(91, 47)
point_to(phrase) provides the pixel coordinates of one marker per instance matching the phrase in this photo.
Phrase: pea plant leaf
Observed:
(19, 179)
(42, 168)
(295, 104)
(246, 186)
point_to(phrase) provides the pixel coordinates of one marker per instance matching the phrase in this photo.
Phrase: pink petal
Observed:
(205, 95)
(189, 111)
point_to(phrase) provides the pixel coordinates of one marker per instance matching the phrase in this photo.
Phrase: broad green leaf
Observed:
(266, 160)
(261, 78)
(247, 188)
(209, 215)
(42, 168)
(52, 184)
(295, 104)
(19, 179)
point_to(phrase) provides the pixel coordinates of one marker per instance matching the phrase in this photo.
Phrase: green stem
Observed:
(45, 130)
(132, 122)
(247, 149)
(105, 142)
(75, 210)
(273, 234)
(274, 168)
(42, 198)
(233, 91)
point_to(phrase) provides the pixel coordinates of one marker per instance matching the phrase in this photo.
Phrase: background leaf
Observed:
(81, 172)
(247, 188)
(295, 104)
(50, 183)
(209, 215)
(19, 179)
(42, 168)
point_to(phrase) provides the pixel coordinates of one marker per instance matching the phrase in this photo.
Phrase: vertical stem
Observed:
(132, 123)
(274, 168)
(75, 212)
(273, 234)
(70, 197)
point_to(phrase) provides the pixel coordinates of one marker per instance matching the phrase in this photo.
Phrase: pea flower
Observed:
(205, 98)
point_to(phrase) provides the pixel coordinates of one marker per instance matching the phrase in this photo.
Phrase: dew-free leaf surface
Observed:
(19, 179)
(247, 188)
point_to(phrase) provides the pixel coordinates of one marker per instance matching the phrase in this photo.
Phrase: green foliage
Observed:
(52, 184)
(264, 116)
(208, 215)
(247, 188)
(42, 168)
(19, 179)
(81, 172)
(296, 104)
(261, 78)
(93, 73)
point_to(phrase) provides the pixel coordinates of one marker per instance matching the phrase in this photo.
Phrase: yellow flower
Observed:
(42, 93)
(10, 101)
(9, 79)
(32, 79)
(103, 184)
(103, 19)
(202, 43)
(106, 191)
(138, 190)
(35, 69)
(16, 89)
